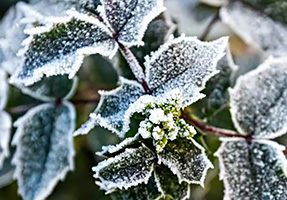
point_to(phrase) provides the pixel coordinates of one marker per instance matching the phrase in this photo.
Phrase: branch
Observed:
(209, 27)
(135, 67)
(211, 129)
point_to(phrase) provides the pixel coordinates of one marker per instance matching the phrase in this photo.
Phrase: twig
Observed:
(20, 109)
(209, 27)
(135, 67)
(211, 129)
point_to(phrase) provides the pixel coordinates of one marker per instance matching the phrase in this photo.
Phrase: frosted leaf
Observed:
(5, 134)
(130, 168)
(77, 35)
(52, 88)
(169, 185)
(255, 29)
(259, 98)
(186, 159)
(4, 89)
(112, 107)
(253, 171)
(184, 63)
(130, 18)
(6, 173)
(113, 149)
(45, 149)
(143, 191)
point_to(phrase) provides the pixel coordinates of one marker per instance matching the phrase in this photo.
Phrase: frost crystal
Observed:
(259, 98)
(256, 28)
(184, 63)
(45, 150)
(186, 159)
(130, 18)
(77, 35)
(130, 168)
(112, 107)
(5, 131)
(253, 171)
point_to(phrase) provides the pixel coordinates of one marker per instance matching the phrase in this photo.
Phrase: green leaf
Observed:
(45, 149)
(61, 47)
(255, 170)
(169, 184)
(186, 159)
(130, 168)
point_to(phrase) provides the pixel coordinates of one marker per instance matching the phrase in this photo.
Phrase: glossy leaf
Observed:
(253, 171)
(258, 100)
(45, 149)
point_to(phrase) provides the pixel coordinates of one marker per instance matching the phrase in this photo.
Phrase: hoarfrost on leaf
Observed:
(77, 35)
(4, 89)
(130, 168)
(5, 134)
(169, 184)
(186, 159)
(112, 108)
(256, 28)
(45, 149)
(130, 18)
(253, 171)
(258, 100)
(184, 63)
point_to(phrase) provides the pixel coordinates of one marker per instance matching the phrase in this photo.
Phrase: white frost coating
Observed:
(50, 173)
(174, 165)
(110, 149)
(41, 97)
(112, 107)
(130, 19)
(125, 175)
(5, 134)
(255, 29)
(252, 171)
(215, 2)
(4, 89)
(66, 64)
(259, 98)
(185, 63)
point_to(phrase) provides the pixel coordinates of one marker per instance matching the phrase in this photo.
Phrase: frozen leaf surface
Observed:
(130, 168)
(258, 100)
(52, 88)
(186, 159)
(60, 48)
(45, 149)
(130, 18)
(4, 89)
(253, 171)
(143, 191)
(112, 107)
(169, 185)
(184, 63)
(256, 28)
(5, 128)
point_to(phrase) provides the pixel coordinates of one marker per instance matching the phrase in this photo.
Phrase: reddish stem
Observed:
(209, 26)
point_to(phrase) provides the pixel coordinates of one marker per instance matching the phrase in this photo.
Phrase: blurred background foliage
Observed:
(183, 16)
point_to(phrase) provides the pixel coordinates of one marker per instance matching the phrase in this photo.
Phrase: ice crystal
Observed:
(255, 28)
(76, 36)
(5, 128)
(186, 159)
(184, 63)
(45, 150)
(112, 108)
(258, 100)
(130, 18)
(253, 171)
(130, 168)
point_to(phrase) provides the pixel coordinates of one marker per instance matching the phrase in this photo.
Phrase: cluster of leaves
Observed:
(161, 157)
